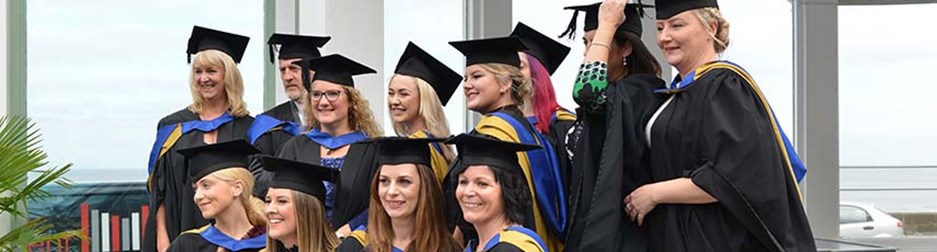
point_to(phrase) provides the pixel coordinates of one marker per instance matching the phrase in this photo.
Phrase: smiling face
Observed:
(281, 213)
(215, 196)
(324, 109)
(292, 78)
(398, 188)
(403, 99)
(685, 40)
(479, 195)
(209, 80)
(483, 90)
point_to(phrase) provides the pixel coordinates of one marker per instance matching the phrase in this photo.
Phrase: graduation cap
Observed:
(547, 50)
(493, 50)
(300, 176)
(205, 159)
(296, 46)
(632, 23)
(418, 63)
(405, 150)
(669, 8)
(484, 150)
(203, 39)
(334, 68)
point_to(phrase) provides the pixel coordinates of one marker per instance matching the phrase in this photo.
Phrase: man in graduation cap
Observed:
(223, 186)
(340, 122)
(277, 125)
(212, 117)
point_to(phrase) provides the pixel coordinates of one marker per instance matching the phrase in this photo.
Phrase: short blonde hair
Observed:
(520, 86)
(313, 230)
(234, 84)
(711, 15)
(360, 117)
(252, 205)
(431, 110)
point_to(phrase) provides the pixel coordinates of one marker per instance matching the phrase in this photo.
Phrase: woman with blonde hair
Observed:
(417, 92)
(495, 87)
(339, 121)
(224, 193)
(407, 211)
(218, 113)
(294, 207)
(722, 178)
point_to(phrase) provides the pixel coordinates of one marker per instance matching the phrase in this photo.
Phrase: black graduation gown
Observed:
(269, 143)
(719, 132)
(609, 163)
(192, 240)
(171, 184)
(557, 137)
(353, 187)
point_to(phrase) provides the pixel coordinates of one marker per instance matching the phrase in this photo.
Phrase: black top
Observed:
(418, 63)
(492, 50)
(610, 160)
(547, 50)
(300, 176)
(334, 68)
(296, 46)
(669, 8)
(204, 160)
(203, 39)
(632, 23)
(405, 150)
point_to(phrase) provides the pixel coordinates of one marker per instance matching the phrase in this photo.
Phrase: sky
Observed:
(102, 73)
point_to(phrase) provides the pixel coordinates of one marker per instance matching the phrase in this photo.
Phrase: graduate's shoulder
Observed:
(181, 116)
(284, 108)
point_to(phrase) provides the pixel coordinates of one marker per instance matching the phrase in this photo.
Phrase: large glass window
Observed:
(102, 73)
(886, 112)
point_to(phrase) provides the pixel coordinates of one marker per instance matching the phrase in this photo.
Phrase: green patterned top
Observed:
(589, 90)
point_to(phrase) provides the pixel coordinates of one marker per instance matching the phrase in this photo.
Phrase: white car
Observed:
(860, 220)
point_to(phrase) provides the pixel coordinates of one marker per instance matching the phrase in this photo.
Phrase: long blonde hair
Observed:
(234, 84)
(359, 114)
(431, 233)
(431, 111)
(313, 230)
(252, 205)
(520, 86)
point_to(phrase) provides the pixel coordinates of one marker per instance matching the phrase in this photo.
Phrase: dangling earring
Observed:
(624, 61)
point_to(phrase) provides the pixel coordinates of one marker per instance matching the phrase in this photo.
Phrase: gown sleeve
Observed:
(743, 165)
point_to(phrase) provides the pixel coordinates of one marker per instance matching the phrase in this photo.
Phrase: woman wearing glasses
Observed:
(338, 119)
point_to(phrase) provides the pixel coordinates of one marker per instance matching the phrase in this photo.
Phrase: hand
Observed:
(612, 13)
(343, 231)
(641, 202)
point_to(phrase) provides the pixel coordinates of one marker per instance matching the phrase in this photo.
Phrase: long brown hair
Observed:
(313, 230)
(360, 117)
(430, 232)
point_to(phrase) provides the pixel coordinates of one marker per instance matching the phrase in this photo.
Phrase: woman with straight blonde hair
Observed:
(495, 87)
(224, 193)
(406, 207)
(218, 113)
(417, 92)
(294, 207)
(340, 122)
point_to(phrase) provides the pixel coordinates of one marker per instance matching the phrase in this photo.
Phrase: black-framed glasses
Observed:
(331, 95)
